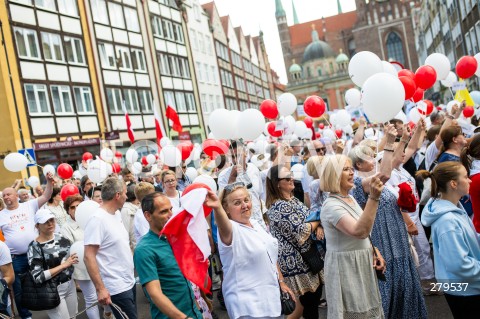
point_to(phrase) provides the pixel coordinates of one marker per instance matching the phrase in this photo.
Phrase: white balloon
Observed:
(477, 57)
(106, 155)
(78, 175)
(363, 65)
(170, 156)
(300, 128)
(289, 125)
(151, 159)
(48, 169)
(347, 129)
(85, 210)
(82, 170)
(79, 249)
(307, 134)
(136, 168)
(449, 80)
(414, 115)
(252, 123)
(329, 134)
(132, 156)
(234, 124)
(379, 89)
(164, 141)
(287, 104)
(353, 97)
(191, 173)
(33, 181)
(197, 151)
(401, 116)
(343, 118)
(440, 63)
(333, 119)
(207, 180)
(297, 171)
(220, 124)
(15, 162)
(475, 95)
(98, 171)
(451, 104)
(389, 68)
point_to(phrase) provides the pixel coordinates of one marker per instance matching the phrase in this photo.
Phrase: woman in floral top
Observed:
(287, 223)
(52, 250)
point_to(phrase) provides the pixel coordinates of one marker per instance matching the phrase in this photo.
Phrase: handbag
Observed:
(39, 296)
(288, 304)
(313, 259)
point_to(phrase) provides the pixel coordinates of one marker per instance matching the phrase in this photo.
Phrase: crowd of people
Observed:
(372, 225)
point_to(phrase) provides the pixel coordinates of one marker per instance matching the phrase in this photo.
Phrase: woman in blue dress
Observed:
(401, 293)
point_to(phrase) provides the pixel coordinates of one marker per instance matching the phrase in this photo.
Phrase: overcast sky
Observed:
(254, 15)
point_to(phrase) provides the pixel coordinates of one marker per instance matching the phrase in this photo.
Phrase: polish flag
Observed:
(131, 136)
(187, 233)
(158, 126)
(172, 115)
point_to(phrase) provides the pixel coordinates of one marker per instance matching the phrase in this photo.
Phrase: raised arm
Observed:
(449, 120)
(386, 165)
(360, 133)
(48, 191)
(221, 219)
(414, 143)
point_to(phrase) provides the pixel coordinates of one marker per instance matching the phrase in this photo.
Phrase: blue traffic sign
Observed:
(29, 153)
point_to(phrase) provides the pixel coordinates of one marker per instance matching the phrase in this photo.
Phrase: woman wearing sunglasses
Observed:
(252, 280)
(287, 223)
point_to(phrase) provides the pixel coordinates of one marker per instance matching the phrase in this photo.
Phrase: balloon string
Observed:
(331, 126)
(39, 166)
(451, 92)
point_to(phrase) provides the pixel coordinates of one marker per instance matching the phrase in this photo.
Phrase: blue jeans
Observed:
(127, 302)
(20, 266)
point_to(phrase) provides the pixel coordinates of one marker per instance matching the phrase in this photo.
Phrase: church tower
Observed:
(282, 25)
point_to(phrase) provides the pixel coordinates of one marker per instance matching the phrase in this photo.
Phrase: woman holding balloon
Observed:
(54, 205)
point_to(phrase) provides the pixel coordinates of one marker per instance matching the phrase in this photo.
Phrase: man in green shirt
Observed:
(169, 292)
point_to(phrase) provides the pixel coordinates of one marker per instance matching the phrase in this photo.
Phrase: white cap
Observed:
(42, 216)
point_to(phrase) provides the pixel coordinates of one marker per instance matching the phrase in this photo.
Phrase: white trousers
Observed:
(90, 296)
(425, 268)
(68, 302)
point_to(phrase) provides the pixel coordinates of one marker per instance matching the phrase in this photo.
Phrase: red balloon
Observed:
(418, 95)
(425, 77)
(406, 72)
(338, 133)
(321, 126)
(271, 130)
(409, 86)
(144, 161)
(468, 111)
(118, 154)
(269, 109)
(68, 190)
(430, 108)
(116, 168)
(87, 156)
(225, 142)
(185, 150)
(314, 106)
(64, 171)
(318, 135)
(213, 148)
(466, 67)
(308, 122)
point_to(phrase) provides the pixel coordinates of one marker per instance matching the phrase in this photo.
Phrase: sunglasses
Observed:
(73, 207)
(234, 186)
(288, 178)
(323, 149)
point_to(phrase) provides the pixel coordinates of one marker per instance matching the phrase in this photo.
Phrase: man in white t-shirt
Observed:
(108, 256)
(18, 227)
(7, 276)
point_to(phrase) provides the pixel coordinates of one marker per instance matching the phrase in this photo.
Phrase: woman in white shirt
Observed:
(169, 181)
(252, 280)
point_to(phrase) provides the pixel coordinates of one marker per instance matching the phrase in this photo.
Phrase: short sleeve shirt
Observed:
(154, 260)
(18, 226)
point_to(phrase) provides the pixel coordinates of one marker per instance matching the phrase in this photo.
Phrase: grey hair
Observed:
(359, 154)
(110, 187)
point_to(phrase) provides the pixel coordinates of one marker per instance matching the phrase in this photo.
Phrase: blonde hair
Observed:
(359, 154)
(369, 143)
(331, 172)
(168, 172)
(143, 189)
(313, 164)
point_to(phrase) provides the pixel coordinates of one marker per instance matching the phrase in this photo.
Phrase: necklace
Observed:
(340, 195)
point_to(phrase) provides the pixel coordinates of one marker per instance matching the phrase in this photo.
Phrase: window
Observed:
(184, 68)
(74, 50)
(46, 4)
(138, 60)
(226, 77)
(180, 102)
(193, 39)
(395, 48)
(164, 66)
(27, 43)
(222, 51)
(231, 103)
(107, 55)
(178, 33)
(145, 101)
(99, 11)
(62, 100)
(243, 105)
(131, 18)
(124, 62)
(167, 30)
(201, 43)
(169, 97)
(207, 77)
(208, 44)
(52, 47)
(116, 15)
(68, 7)
(236, 60)
(199, 71)
(83, 99)
(114, 100)
(219, 102)
(131, 101)
(196, 12)
(190, 102)
(214, 75)
(212, 103)
(204, 102)
(37, 99)
(157, 26)
(240, 83)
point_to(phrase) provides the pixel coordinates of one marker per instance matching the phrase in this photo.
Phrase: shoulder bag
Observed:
(37, 296)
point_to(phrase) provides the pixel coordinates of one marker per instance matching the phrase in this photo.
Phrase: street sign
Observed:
(29, 153)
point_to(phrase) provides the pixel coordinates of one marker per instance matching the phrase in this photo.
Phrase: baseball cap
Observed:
(42, 216)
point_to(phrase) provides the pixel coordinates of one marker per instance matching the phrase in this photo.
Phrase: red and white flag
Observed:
(160, 131)
(172, 115)
(131, 136)
(187, 233)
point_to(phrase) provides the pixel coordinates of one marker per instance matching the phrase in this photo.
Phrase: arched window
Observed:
(395, 48)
